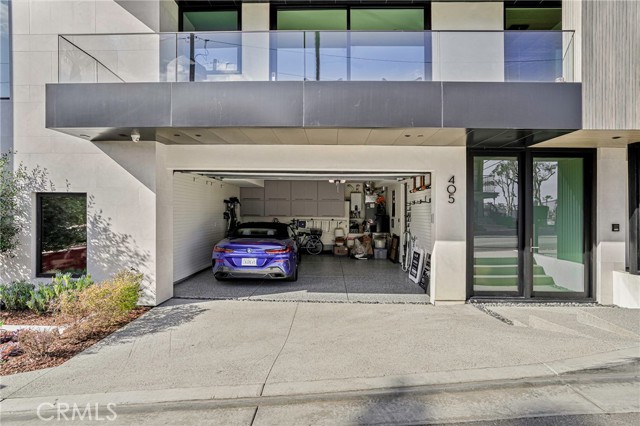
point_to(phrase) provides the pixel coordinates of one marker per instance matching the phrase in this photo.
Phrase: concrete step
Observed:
(503, 270)
(495, 261)
(509, 280)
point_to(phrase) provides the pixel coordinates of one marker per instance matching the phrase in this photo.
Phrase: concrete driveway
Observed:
(229, 349)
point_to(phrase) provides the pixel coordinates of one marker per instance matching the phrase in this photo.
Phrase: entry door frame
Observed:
(525, 158)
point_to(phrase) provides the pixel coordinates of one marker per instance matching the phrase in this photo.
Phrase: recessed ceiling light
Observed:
(177, 135)
(420, 136)
(407, 136)
(616, 137)
(197, 136)
(84, 136)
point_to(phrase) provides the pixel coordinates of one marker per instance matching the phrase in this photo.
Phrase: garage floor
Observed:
(323, 278)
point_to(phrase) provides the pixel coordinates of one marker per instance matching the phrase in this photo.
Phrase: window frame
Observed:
(39, 197)
(10, 57)
(634, 208)
(221, 7)
(514, 4)
(348, 6)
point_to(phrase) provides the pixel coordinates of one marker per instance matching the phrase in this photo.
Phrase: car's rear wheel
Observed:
(294, 276)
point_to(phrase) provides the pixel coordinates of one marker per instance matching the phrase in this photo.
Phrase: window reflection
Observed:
(62, 235)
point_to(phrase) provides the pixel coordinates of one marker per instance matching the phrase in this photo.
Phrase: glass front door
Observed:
(497, 260)
(530, 229)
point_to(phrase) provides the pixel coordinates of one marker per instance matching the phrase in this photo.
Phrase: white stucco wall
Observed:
(119, 178)
(611, 208)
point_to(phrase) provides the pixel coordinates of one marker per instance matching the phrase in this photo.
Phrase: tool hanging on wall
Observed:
(414, 189)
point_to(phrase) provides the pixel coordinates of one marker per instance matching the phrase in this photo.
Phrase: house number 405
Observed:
(451, 189)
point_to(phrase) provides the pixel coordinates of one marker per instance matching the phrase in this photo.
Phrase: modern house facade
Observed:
(525, 116)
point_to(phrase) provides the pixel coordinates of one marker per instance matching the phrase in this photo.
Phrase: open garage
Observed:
(364, 224)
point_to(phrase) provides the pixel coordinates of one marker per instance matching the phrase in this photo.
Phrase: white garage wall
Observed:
(198, 222)
(421, 225)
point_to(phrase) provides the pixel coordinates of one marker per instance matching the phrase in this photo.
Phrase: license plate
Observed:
(249, 262)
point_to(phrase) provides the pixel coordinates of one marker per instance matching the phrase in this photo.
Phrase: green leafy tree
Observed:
(505, 176)
(16, 185)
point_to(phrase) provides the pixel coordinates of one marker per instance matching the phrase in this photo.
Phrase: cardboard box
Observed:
(340, 251)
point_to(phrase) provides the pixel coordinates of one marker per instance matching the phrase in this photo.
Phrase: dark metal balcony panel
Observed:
(372, 104)
(512, 105)
(107, 105)
(237, 104)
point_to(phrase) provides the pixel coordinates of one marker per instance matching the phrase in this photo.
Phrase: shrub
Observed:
(9, 349)
(36, 344)
(16, 295)
(101, 305)
(46, 297)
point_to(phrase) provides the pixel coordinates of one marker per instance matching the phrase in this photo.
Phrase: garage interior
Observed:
(370, 210)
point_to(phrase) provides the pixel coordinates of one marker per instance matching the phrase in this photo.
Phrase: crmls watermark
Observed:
(62, 411)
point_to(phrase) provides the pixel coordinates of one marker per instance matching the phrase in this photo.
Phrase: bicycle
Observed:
(310, 240)
(230, 214)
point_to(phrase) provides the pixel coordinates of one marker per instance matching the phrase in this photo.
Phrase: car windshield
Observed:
(257, 231)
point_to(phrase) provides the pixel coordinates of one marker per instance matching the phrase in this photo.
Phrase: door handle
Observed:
(531, 246)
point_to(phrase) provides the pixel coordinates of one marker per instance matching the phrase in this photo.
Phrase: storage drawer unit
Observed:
(304, 208)
(327, 191)
(331, 208)
(277, 190)
(277, 208)
(304, 190)
(251, 194)
(251, 207)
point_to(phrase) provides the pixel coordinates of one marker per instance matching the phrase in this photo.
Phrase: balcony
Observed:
(471, 56)
(503, 88)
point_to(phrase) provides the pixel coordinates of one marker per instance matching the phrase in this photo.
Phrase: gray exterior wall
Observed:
(315, 104)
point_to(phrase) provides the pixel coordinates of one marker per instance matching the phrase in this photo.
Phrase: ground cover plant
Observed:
(85, 311)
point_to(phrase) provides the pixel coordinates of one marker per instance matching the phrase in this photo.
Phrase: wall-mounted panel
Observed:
(108, 105)
(231, 104)
(512, 105)
(304, 208)
(277, 208)
(302, 190)
(277, 190)
(372, 104)
(331, 208)
(250, 193)
(328, 191)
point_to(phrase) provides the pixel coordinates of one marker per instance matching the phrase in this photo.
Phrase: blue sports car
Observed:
(258, 250)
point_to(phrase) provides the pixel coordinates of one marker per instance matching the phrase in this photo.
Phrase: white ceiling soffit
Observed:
(415, 136)
(593, 139)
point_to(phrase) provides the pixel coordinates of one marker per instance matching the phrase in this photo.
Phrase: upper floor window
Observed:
(533, 15)
(409, 17)
(5, 50)
(218, 20)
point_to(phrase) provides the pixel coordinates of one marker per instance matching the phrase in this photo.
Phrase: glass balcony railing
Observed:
(526, 56)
